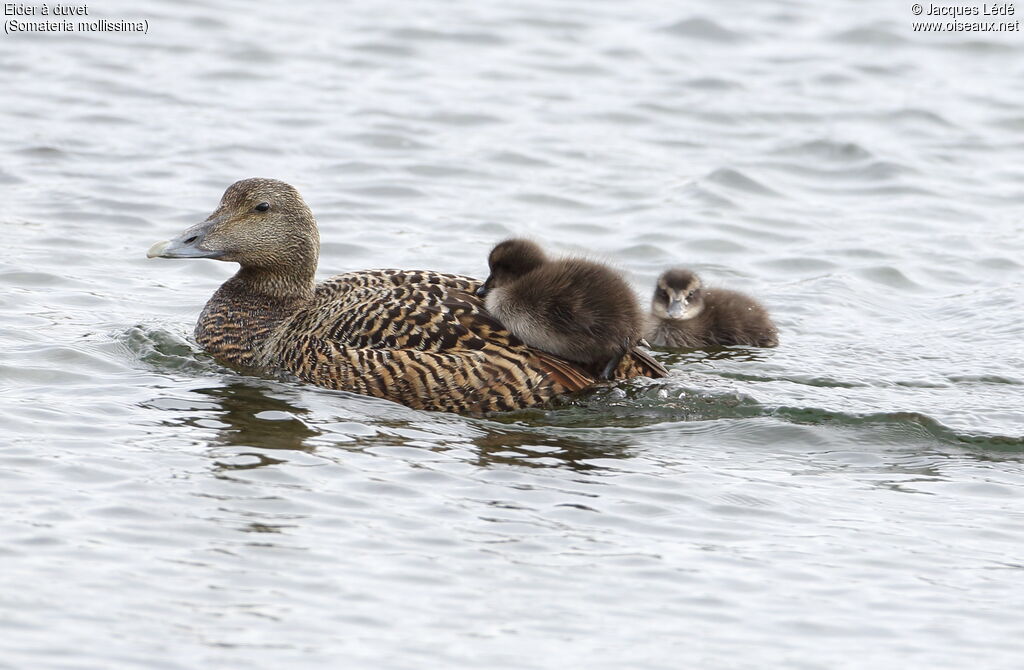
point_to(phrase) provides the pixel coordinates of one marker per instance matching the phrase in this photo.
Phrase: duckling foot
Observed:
(613, 364)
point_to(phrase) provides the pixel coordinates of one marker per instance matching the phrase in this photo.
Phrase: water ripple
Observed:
(868, 196)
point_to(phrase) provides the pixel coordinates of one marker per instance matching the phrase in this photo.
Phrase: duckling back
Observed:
(738, 319)
(576, 309)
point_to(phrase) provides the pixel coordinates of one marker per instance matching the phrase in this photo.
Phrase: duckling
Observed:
(575, 309)
(685, 315)
(420, 338)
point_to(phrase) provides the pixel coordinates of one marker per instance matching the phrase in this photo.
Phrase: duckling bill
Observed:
(420, 338)
(576, 309)
(686, 315)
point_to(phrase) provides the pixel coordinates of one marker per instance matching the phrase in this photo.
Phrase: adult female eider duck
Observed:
(685, 315)
(576, 309)
(420, 338)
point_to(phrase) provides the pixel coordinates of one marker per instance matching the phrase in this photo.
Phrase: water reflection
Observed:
(536, 449)
(241, 413)
(246, 414)
(252, 418)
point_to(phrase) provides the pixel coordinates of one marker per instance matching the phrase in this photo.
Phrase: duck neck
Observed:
(242, 318)
(284, 284)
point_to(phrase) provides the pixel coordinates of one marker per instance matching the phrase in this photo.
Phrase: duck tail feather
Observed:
(564, 372)
(649, 366)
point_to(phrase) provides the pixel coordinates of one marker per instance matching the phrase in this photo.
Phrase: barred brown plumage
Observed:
(420, 338)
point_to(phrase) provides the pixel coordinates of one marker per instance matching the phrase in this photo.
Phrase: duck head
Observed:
(259, 223)
(679, 294)
(509, 261)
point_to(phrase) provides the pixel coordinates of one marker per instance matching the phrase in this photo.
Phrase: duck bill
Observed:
(188, 244)
(481, 292)
(676, 308)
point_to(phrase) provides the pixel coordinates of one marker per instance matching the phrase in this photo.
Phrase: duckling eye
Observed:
(262, 207)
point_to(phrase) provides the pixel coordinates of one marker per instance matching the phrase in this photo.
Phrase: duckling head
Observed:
(679, 294)
(510, 260)
(262, 224)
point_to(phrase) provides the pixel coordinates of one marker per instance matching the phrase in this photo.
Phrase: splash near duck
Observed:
(420, 338)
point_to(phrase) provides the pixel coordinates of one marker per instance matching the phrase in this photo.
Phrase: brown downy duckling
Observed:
(417, 337)
(685, 315)
(575, 309)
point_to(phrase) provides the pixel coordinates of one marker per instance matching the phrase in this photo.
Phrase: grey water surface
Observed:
(852, 499)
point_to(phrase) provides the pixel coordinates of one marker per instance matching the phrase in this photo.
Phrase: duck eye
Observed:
(262, 207)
